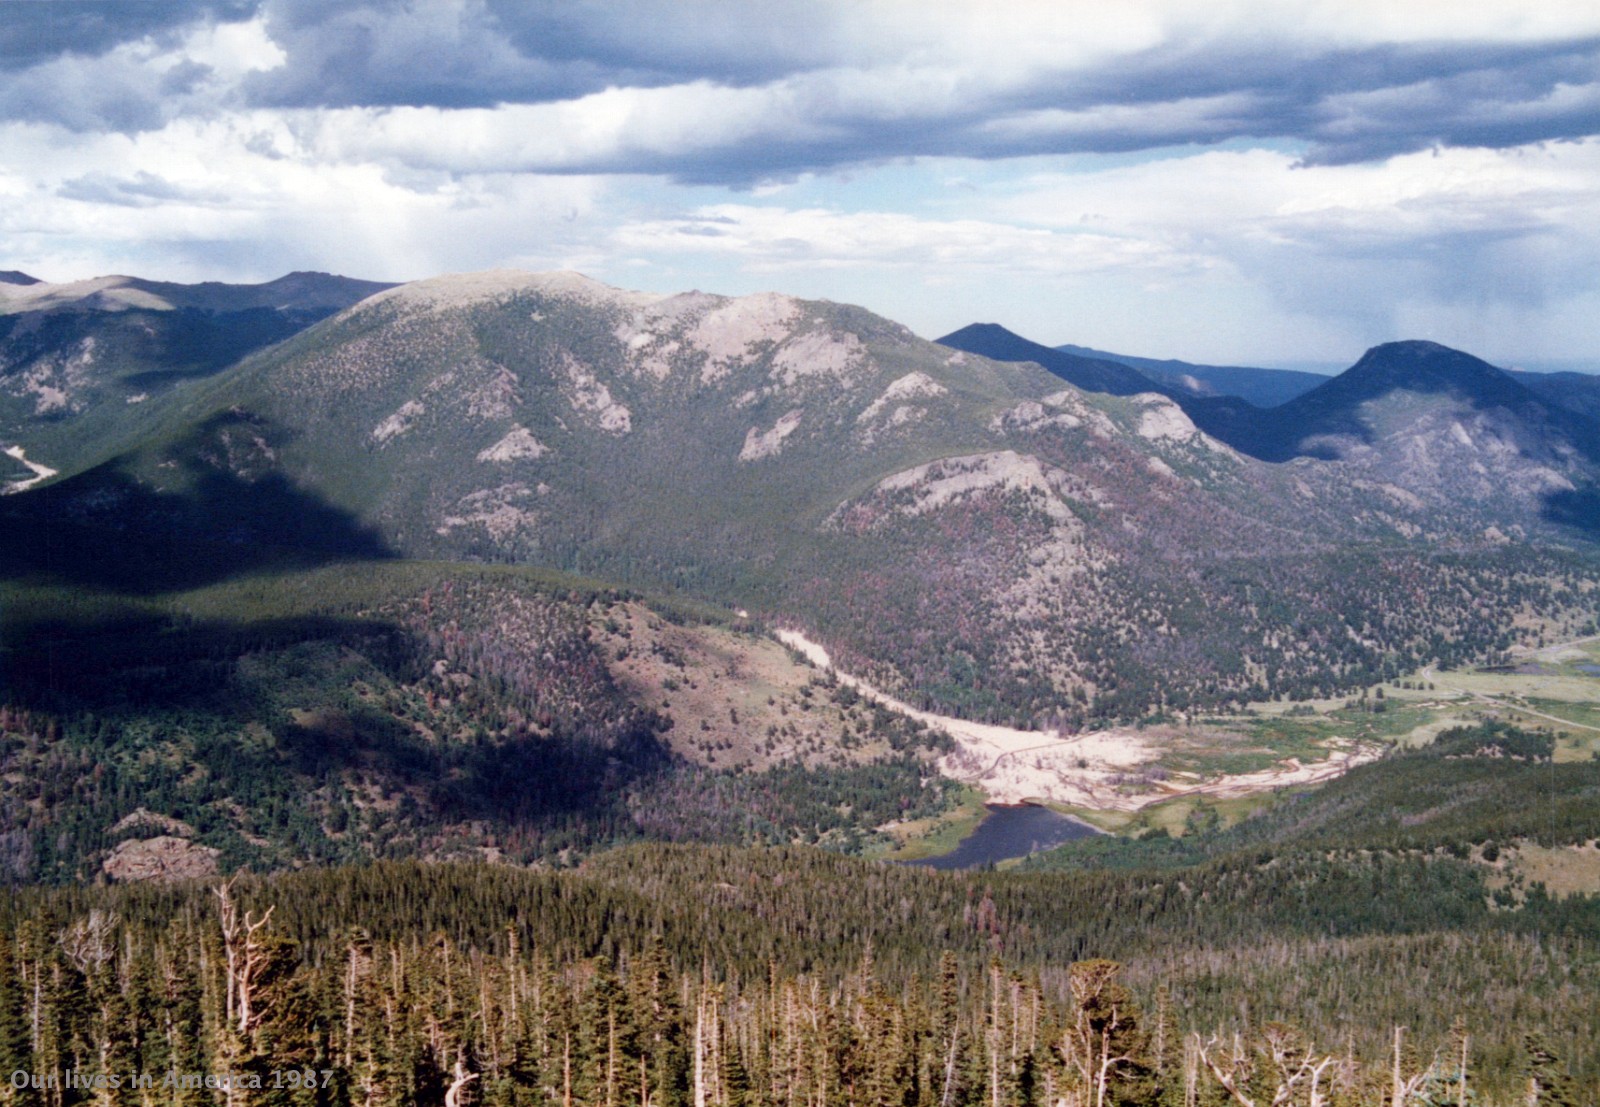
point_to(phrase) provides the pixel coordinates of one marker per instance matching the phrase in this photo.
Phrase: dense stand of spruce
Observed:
(665, 976)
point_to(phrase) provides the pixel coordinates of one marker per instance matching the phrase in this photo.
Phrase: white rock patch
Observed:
(912, 386)
(647, 334)
(1163, 419)
(942, 482)
(515, 446)
(1031, 415)
(495, 509)
(398, 423)
(818, 353)
(760, 444)
(40, 472)
(726, 333)
(587, 394)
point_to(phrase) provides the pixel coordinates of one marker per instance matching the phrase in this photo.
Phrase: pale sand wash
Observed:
(1083, 770)
(40, 472)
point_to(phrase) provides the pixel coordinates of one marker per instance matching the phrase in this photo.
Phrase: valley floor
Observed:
(1117, 769)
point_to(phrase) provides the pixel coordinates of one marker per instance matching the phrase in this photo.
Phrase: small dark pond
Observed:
(1008, 832)
(1588, 667)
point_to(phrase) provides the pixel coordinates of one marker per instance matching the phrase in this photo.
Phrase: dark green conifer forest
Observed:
(1259, 965)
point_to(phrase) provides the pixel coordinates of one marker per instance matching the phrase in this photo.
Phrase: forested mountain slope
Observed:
(87, 367)
(823, 971)
(973, 535)
(385, 710)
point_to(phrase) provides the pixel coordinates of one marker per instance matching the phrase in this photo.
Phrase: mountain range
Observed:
(511, 567)
(979, 534)
(1262, 387)
(1423, 413)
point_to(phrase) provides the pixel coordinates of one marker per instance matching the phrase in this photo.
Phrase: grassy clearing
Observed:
(1252, 743)
(1172, 815)
(739, 699)
(1564, 871)
(1560, 684)
(1246, 745)
(1583, 714)
(917, 839)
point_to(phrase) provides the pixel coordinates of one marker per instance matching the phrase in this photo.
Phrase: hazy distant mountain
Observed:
(1360, 407)
(311, 293)
(11, 276)
(1577, 392)
(1453, 432)
(85, 366)
(975, 534)
(1090, 373)
(1261, 387)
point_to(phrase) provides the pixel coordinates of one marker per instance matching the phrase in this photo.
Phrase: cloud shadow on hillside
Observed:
(107, 530)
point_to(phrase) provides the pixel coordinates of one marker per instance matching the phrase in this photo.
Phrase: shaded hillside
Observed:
(379, 710)
(1577, 392)
(1091, 372)
(1259, 387)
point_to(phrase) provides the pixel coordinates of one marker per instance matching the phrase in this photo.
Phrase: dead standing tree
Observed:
(247, 956)
(452, 1095)
(1103, 1042)
(1294, 1064)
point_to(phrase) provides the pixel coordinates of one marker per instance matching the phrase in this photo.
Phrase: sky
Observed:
(1274, 182)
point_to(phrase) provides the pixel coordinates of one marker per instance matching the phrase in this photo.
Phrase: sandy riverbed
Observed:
(40, 472)
(1092, 769)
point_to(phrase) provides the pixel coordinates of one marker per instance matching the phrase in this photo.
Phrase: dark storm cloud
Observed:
(477, 54)
(59, 62)
(1539, 96)
(440, 55)
(1344, 104)
(34, 31)
(835, 96)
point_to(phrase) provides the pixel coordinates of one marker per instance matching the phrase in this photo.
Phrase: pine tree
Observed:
(16, 1044)
(1549, 1083)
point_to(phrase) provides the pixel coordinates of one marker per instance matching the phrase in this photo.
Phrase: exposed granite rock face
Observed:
(142, 819)
(164, 858)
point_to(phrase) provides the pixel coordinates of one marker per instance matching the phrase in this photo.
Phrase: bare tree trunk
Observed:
(246, 957)
(566, 1068)
(700, 1053)
(950, 1067)
(1398, 1097)
(452, 1095)
(994, 1035)
(1191, 1074)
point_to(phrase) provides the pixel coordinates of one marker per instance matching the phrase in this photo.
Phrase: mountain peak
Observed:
(458, 289)
(12, 276)
(991, 340)
(1421, 366)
